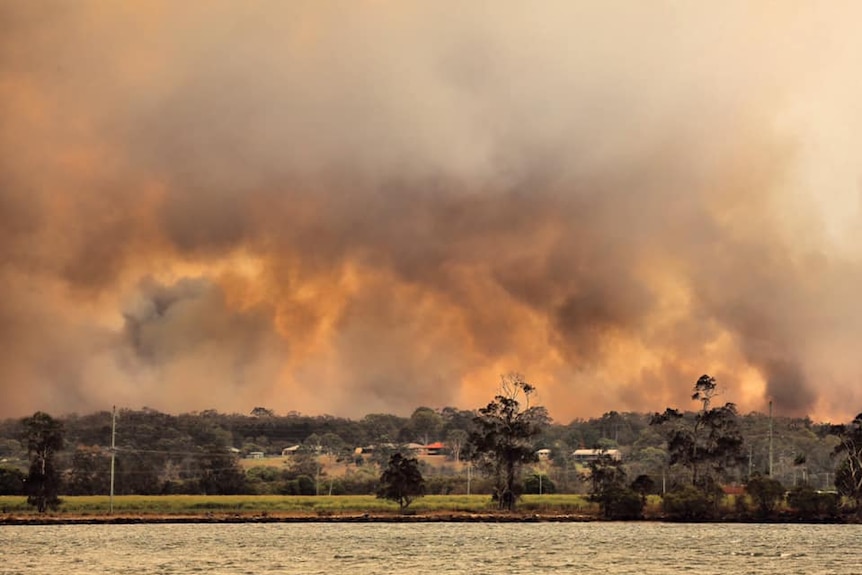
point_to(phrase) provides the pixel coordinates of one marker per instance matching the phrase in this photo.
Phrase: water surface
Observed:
(476, 548)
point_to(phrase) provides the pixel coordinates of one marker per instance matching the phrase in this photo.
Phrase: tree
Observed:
(643, 485)
(90, 473)
(455, 440)
(707, 444)
(11, 481)
(44, 438)
(688, 503)
(313, 446)
(454, 418)
(264, 480)
(539, 484)
(848, 475)
(334, 448)
(766, 493)
(810, 504)
(611, 424)
(401, 481)
(306, 462)
(501, 441)
(425, 424)
(381, 428)
(608, 488)
(221, 473)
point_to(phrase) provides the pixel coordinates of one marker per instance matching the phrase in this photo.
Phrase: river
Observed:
(475, 548)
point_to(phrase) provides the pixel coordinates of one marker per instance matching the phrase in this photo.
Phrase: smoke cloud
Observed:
(341, 207)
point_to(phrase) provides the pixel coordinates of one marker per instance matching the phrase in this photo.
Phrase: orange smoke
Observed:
(377, 207)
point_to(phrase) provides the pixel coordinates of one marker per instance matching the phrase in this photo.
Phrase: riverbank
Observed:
(132, 509)
(294, 506)
(32, 519)
(209, 518)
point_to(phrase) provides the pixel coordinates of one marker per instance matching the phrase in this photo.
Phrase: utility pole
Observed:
(770, 438)
(750, 459)
(113, 454)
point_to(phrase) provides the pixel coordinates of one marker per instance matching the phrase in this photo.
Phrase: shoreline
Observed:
(445, 517)
(156, 518)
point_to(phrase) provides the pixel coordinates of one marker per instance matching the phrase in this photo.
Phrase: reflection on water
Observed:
(491, 548)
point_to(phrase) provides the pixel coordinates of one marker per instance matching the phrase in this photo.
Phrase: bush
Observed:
(687, 503)
(357, 483)
(302, 485)
(438, 485)
(810, 504)
(766, 493)
(11, 481)
(262, 480)
(534, 486)
(622, 503)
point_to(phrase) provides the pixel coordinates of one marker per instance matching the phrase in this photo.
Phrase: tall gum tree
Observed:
(44, 438)
(707, 444)
(848, 474)
(502, 438)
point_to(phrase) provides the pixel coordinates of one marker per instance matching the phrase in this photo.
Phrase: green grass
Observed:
(312, 505)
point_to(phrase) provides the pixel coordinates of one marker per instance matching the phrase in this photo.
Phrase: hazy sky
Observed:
(353, 207)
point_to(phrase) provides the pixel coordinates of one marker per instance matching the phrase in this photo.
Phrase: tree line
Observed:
(690, 457)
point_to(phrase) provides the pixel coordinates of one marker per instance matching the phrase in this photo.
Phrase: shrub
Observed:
(622, 503)
(536, 484)
(11, 481)
(687, 503)
(438, 485)
(302, 485)
(809, 504)
(766, 493)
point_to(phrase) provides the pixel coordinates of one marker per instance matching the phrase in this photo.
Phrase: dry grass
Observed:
(296, 505)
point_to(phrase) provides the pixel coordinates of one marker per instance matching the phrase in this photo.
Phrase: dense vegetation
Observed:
(679, 454)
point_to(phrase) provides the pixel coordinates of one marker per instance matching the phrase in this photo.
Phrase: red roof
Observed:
(733, 489)
(435, 445)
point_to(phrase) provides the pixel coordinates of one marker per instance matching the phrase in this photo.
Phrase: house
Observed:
(543, 454)
(255, 455)
(587, 455)
(289, 450)
(436, 448)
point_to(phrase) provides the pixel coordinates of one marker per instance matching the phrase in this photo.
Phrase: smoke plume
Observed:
(342, 207)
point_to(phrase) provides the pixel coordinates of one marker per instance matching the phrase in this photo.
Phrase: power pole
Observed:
(113, 454)
(770, 438)
(750, 459)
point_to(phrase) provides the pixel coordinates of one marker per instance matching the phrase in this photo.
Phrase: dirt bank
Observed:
(144, 518)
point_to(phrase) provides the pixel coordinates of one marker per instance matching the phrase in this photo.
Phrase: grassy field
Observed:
(297, 505)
